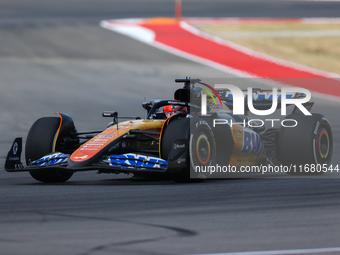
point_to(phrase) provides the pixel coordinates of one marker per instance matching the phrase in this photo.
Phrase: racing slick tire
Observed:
(40, 142)
(309, 144)
(201, 146)
(178, 128)
(202, 149)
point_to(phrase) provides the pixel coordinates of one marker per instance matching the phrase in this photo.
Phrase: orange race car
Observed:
(175, 140)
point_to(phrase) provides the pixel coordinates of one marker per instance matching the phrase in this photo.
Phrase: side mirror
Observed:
(113, 115)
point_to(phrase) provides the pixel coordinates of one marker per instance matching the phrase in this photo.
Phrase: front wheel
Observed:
(201, 147)
(41, 140)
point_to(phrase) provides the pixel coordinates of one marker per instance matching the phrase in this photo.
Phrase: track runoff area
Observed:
(181, 37)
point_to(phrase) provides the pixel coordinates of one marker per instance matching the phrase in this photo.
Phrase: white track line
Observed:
(315, 0)
(283, 252)
(130, 31)
(320, 20)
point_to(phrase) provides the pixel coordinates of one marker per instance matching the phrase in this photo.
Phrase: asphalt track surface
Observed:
(54, 57)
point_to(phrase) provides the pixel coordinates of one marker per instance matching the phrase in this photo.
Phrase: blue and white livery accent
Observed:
(49, 160)
(136, 161)
(252, 143)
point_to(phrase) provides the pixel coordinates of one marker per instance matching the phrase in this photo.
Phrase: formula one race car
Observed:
(172, 140)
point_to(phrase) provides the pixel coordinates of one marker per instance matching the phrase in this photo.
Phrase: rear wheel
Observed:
(40, 142)
(308, 146)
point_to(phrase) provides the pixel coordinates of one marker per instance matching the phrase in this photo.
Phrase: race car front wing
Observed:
(128, 162)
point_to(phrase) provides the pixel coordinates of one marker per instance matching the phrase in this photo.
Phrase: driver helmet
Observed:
(171, 110)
